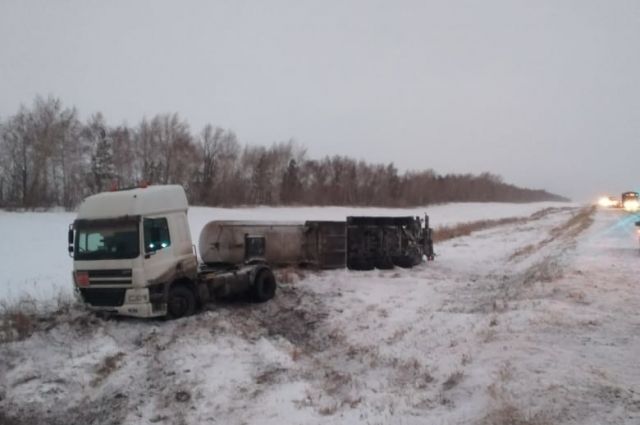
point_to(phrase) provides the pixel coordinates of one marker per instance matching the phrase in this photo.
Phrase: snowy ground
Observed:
(34, 261)
(533, 323)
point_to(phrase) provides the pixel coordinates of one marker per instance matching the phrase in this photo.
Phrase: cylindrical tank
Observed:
(224, 241)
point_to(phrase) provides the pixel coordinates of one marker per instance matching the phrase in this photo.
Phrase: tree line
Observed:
(49, 157)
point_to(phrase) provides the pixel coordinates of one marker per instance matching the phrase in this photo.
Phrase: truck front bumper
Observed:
(136, 304)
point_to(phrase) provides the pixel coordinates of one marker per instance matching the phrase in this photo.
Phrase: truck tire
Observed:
(405, 261)
(264, 287)
(384, 263)
(182, 302)
(361, 265)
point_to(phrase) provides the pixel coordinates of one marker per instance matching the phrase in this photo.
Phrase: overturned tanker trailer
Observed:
(359, 243)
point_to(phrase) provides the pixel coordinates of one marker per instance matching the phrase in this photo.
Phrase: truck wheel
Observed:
(264, 287)
(361, 265)
(182, 302)
(404, 261)
(384, 263)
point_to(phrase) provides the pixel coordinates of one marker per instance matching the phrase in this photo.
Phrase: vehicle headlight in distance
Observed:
(604, 202)
(631, 205)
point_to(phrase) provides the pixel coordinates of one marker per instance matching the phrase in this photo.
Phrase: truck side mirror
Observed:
(70, 241)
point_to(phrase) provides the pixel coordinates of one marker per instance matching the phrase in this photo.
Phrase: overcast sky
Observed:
(544, 93)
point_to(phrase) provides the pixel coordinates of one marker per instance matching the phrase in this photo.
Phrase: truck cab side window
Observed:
(156, 234)
(92, 242)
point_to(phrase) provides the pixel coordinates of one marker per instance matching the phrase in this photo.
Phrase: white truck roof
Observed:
(140, 201)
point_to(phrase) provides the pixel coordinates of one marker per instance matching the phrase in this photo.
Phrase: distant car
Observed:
(609, 202)
(631, 201)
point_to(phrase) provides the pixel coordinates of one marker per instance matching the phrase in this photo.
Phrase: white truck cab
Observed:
(130, 247)
(133, 255)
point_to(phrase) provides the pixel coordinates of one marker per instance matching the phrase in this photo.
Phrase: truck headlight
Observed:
(81, 279)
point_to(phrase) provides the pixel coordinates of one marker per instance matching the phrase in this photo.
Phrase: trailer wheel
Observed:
(264, 287)
(384, 263)
(182, 302)
(361, 265)
(406, 261)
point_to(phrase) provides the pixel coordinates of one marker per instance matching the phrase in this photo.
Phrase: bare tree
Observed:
(124, 156)
(219, 151)
(102, 163)
(291, 189)
(47, 157)
(171, 134)
(37, 145)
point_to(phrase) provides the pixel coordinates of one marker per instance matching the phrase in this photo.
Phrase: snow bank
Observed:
(33, 255)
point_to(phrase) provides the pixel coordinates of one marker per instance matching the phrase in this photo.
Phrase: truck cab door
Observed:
(159, 259)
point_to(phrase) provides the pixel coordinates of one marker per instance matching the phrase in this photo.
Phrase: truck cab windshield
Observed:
(107, 241)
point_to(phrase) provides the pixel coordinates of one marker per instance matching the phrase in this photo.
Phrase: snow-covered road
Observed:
(532, 323)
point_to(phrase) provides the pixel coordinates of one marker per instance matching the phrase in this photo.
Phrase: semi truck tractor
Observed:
(133, 255)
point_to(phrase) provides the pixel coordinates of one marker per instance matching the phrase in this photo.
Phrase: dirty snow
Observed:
(533, 323)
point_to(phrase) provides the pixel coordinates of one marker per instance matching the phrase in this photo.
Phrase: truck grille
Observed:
(110, 277)
(103, 297)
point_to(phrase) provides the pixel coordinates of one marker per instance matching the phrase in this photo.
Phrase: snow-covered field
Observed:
(533, 323)
(34, 261)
